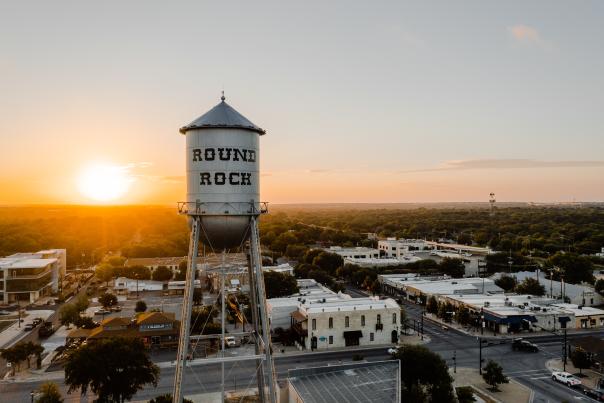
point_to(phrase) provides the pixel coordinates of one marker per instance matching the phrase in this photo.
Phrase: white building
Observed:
(359, 252)
(29, 276)
(382, 262)
(412, 286)
(345, 323)
(579, 294)
(392, 247)
(284, 268)
(128, 285)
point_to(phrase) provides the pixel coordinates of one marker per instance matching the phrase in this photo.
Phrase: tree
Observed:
(181, 274)
(81, 303)
(599, 286)
(310, 255)
(104, 272)
(492, 374)
(302, 270)
(530, 286)
(162, 273)
(49, 393)
(328, 262)
(580, 359)
(506, 282)
(432, 305)
(15, 355)
(197, 296)
(85, 322)
(141, 306)
(465, 394)
(114, 369)
(424, 376)
(453, 267)
(279, 284)
(68, 314)
(167, 398)
(576, 268)
(108, 300)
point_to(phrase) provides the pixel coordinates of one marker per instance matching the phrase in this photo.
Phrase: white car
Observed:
(566, 378)
(230, 341)
(392, 351)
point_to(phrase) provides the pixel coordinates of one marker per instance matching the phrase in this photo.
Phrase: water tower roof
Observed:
(222, 116)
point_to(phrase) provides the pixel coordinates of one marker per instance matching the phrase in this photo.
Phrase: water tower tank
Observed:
(223, 175)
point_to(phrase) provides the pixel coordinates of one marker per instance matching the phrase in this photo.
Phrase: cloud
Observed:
(463, 165)
(525, 34)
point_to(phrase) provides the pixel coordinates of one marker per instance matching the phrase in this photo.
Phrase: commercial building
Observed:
(324, 319)
(358, 252)
(382, 262)
(125, 285)
(153, 263)
(392, 247)
(350, 322)
(235, 278)
(155, 329)
(284, 268)
(29, 276)
(579, 294)
(280, 309)
(362, 382)
(412, 286)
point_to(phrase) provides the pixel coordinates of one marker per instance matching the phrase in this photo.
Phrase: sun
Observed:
(104, 182)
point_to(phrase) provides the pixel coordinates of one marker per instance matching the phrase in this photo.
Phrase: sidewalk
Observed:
(14, 333)
(512, 392)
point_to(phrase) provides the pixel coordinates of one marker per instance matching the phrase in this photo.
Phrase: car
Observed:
(28, 327)
(116, 308)
(5, 313)
(392, 350)
(102, 312)
(524, 345)
(566, 378)
(595, 394)
(230, 341)
(37, 321)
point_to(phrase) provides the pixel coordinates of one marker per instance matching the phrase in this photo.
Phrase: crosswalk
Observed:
(532, 374)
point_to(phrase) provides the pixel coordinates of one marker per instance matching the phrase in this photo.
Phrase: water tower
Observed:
(222, 207)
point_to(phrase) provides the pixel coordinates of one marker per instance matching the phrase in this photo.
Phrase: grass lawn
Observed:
(6, 323)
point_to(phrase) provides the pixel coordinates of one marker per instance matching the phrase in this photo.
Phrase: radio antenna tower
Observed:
(223, 209)
(492, 204)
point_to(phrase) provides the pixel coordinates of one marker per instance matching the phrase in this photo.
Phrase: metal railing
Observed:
(222, 208)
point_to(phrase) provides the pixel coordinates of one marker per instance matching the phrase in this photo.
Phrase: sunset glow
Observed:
(103, 182)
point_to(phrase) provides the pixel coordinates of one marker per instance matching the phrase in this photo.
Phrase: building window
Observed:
(314, 324)
(347, 322)
(330, 339)
(394, 319)
(601, 321)
(331, 323)
(379, 319)
(362, 320)
(371, 337)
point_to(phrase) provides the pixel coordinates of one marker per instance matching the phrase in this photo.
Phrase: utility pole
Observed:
(454, 361)
(565, 350)
(422, 326)
(480, 356)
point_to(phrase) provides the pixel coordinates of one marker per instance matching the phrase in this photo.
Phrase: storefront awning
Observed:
(353, 334)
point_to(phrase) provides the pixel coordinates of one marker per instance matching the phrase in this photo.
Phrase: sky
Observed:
(423, 101)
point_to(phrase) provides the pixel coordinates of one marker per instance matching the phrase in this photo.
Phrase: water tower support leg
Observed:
(185, 317)
(266, 334)
(256, 326)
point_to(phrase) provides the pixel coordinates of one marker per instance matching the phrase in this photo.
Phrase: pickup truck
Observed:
(566, 378)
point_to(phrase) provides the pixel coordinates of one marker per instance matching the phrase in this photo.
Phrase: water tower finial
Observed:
(222, 98)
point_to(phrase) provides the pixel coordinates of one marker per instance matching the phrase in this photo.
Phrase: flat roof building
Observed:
(29, 276)
(365, 382)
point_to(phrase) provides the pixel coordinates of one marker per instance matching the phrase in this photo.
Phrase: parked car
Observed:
(392, 350)
(37, 321)
(28, 327)
(102, 311)
(566, 378)
(595, 394)
(116, 308)
(230, 341)
(524, 345)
